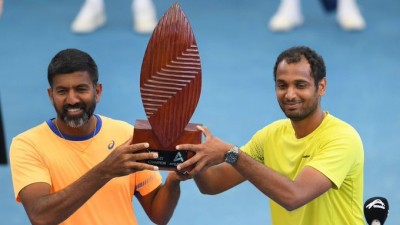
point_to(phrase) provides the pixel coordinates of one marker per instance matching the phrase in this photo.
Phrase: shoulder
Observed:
(24, 145)
(276, 126)
(34, 132)
(340, 127)
(107, 121)
(273, 130)
(340, 135)
(115, 127)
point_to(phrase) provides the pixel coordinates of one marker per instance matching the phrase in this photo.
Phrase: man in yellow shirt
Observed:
(81, 168)
(310, 165)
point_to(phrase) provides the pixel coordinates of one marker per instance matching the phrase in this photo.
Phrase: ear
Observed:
(99, 89)
(50, 94)
(322, 87)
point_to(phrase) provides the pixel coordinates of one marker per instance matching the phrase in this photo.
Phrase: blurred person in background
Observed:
(1, 7)
(92, 16)
(289, 15)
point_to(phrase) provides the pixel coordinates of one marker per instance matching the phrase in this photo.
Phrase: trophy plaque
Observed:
(170, 86)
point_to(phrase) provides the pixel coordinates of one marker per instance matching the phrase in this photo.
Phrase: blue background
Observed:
(237, 52)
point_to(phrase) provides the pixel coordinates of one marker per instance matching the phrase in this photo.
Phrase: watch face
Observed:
(230, 158)
(232, 155)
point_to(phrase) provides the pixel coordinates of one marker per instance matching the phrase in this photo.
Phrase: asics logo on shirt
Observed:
(111, 145)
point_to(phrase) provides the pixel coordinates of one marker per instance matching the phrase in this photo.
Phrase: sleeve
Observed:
(338, 156)
(146, 181)
(255, 147)
(27, 167)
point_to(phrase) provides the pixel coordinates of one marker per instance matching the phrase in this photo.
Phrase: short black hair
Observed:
(293, 55)
(72, 60)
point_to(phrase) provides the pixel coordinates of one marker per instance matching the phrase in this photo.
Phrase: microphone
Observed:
(376, 210)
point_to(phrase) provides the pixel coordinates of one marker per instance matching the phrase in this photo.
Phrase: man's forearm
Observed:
(166, 201)
(208, 181)
(274, 185)
(56, 207)
(217, 179)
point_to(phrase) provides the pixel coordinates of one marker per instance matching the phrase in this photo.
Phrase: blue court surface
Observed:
(237, 52)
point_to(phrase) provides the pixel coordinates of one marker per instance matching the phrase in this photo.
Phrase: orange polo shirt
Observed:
(41, 154)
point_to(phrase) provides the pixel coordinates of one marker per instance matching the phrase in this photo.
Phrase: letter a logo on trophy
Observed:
(170, 86)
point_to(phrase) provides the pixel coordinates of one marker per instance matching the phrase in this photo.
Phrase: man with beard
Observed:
(310, 165)
(81, 168)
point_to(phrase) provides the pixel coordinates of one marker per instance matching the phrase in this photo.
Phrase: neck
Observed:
(84, 130)
(307, 125)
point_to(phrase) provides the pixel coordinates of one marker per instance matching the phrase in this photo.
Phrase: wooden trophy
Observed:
(170, 86)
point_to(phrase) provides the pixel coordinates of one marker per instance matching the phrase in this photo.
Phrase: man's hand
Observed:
(207, 154)
(125, 159)
(179, 176)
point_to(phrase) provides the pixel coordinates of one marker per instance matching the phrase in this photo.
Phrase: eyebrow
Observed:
(75, 86)
(296, 81)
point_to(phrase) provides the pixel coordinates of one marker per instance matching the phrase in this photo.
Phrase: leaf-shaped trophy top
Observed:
(170, 79)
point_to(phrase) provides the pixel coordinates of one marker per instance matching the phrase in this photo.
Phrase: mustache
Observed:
(74, 106)
(291, 101)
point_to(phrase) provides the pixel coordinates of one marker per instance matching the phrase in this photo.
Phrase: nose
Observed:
(290, 93)
(72, 98)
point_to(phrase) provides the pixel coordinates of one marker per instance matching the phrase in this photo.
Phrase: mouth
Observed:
(291, 105)
(74, 111)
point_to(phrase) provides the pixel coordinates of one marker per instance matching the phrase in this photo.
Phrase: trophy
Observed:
(170, 86)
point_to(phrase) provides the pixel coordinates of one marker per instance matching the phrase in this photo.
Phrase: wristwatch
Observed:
(232, 155)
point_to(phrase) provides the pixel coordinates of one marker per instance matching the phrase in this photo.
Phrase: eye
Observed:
(281, 85)
(61, 91)
(82, 89)
(302, 85)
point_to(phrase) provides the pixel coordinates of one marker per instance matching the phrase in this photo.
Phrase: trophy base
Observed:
(168, 160)
(168, 157)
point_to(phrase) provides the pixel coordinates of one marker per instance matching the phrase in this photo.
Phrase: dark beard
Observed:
(302, 114)
(79, 120)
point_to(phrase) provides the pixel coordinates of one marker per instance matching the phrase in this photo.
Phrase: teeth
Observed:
(73, 110)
